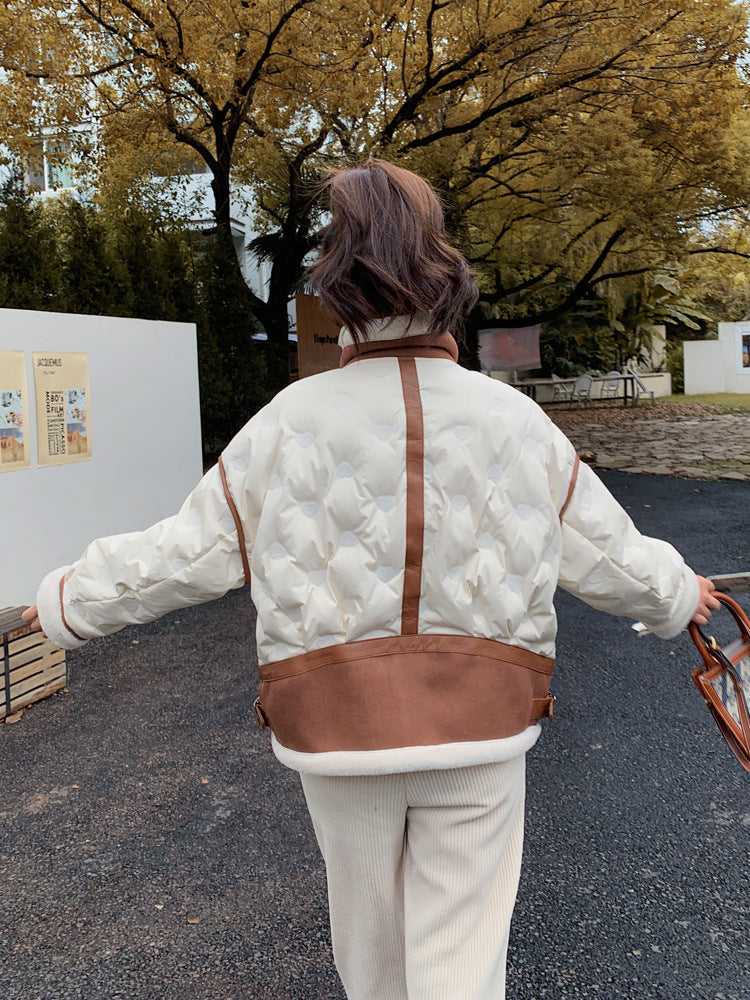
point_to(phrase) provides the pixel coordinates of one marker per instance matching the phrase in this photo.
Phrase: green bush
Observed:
(569, 346)
(29, 269)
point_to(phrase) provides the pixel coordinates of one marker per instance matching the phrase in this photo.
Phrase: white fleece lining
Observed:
(50, 611)
(389, 328)
(398, 760)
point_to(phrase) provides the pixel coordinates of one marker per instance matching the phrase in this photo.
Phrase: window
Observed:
(51, 168)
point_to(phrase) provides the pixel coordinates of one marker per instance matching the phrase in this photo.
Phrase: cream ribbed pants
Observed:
(423, 871)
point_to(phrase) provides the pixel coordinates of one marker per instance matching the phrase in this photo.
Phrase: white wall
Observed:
(713, 365)
(145, 435)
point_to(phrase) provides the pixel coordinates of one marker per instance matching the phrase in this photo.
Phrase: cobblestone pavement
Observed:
(689, 441)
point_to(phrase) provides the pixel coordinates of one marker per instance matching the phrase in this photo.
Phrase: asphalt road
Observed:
(151, 846)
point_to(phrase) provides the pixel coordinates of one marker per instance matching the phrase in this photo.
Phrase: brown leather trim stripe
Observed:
(398, 645)
(420, 696)
(237, 522)
(573, 481)
(62, 611)
(543, 708)
(414, 496)
(443, 346)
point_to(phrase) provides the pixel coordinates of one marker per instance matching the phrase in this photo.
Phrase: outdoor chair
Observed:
(562, 390)
(639, 387)
(582, 388)
(611, 385)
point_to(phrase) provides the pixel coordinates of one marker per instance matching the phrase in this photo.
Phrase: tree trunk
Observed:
(286, 272)
(468, 344)
(277, 356)
(221, 192)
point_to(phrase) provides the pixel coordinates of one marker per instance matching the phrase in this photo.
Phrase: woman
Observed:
(403, 524)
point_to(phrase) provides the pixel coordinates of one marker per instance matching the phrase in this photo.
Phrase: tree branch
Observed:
(166, 60)
(586, 282)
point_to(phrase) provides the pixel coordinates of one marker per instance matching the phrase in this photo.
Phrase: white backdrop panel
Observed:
(146, 441)
(714, 365)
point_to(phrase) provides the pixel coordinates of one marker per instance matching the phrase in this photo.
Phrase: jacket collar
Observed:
(397, 336)
(442, 346)
(389, 328)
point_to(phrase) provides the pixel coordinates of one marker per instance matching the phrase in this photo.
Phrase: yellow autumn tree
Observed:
(570, 140)
(123, 84)
(620, 178)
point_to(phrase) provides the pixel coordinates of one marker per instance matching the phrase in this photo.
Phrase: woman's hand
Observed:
(31, 615)
(706, 602)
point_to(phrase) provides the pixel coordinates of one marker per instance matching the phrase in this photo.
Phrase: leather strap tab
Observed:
(260, 715)
(543, 708)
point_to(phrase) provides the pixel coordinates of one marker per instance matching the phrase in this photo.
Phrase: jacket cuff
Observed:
(685, 607)
(51, 612)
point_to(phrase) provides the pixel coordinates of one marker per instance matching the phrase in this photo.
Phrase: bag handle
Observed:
(707, 646)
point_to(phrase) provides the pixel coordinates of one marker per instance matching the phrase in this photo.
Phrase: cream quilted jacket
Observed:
(399, 459)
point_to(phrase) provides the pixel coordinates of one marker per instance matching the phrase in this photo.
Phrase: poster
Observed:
(63, 407)
(742, 348)
(14, 419)
(509, 349)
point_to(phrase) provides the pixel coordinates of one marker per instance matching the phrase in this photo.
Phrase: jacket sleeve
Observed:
(132, 578)
(607, 562)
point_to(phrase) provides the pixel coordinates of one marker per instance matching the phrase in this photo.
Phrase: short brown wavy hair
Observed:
(385, 252)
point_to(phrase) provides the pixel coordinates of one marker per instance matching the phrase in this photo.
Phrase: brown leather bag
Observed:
(724, 680)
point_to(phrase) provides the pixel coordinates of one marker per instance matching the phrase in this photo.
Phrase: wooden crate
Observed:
(33, 667)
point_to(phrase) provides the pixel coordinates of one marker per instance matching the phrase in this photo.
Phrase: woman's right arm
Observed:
(609, 564)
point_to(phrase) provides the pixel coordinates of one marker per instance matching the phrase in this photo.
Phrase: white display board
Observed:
(145, 440)
(721, 365)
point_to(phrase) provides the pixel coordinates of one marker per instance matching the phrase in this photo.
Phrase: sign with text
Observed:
(62, 407)
(317, 337)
